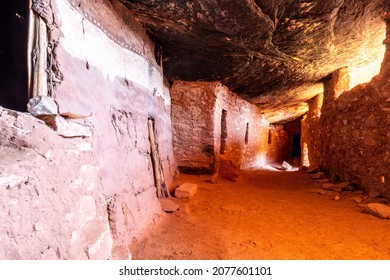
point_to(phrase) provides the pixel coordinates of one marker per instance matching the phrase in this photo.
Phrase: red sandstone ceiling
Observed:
(272, 52)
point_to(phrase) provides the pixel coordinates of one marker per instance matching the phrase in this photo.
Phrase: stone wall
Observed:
(103, 76)
(196, 115)
(240, 116)
(311, 138)
(279, 144)
(348, 135)
(193, 126)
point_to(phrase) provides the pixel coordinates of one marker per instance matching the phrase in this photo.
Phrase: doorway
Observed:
(296, 146)
(14, 18)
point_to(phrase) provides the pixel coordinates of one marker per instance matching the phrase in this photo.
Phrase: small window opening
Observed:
(270, 137)
(247, 134)
(14, 16)
(223, 131)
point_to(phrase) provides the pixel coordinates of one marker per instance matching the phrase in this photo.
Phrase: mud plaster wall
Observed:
(196, 119)
(348, 135)
(193, 126)
(239, 114)
(105, 72)
(51, 202)
(117, 83)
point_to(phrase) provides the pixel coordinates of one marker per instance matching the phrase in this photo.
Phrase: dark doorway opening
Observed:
(13, 54)
(296, 146)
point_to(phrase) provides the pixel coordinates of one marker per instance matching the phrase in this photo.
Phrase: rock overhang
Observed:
(272, 53)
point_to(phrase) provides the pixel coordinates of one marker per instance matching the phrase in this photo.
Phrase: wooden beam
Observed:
(155, 159)
(37, 55)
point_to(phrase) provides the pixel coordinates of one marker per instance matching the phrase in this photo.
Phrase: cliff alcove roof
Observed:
(271, 52)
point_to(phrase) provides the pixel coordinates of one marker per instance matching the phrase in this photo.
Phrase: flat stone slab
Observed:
(331, 187)
(42, 105)
(377, 209)
(65, 128)
(322, 181)
(358, 199)
(323, 192)
(186, 190)
(344, 185)
(358, 192)
(319, 175)
(168, 205)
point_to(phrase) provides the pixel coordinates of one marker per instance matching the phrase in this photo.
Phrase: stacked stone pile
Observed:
(369, 202)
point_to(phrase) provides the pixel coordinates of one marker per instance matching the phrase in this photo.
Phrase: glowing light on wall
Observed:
(371, 51)
(366, 72)
(305, 155)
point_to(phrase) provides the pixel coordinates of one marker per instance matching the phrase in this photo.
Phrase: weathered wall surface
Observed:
(119, 85)
(196, 117)
(239, 114)
(279, 144)
(193, 126)
(103, 69)
(349, 134)
(51, 200)
(311, 139)
(282, 142)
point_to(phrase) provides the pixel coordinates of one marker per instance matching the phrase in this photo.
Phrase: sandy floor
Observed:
(265, 215)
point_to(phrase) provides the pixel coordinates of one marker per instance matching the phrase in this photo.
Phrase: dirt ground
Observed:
(265, 215)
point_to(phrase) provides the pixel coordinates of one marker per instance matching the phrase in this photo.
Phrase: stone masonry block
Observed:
(186, 190)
